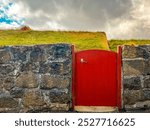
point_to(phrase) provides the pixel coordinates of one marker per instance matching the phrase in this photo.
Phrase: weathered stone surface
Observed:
(132, 96)
(135, 52)
(132, 83)
(49, 82)
(133, 67)
(8, 102)
(147, 82)
(2, 48)
(17, 92)
(30, 66)
(27, 80)
(1, 83)
(9, 110)
(20, 53)
(66, 67)
(143, 104)
(59, 96)
(4, 93)
(147, 67)
(129, 52)
(8, 83)
(6, 69)
(59, 107)
(33, 98)
(35, 78)
(55, 67)
(59, 51)
(147, 94)
(37, 54)
(53, 107)
(44, 68)
(146, 47)
(4, 57)
(136, 62)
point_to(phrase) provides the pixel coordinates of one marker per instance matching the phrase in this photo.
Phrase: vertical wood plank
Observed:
(119, 84)
(73, 77)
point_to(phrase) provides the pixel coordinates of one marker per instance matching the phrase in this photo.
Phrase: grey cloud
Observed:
(89, 7)
(91, 15)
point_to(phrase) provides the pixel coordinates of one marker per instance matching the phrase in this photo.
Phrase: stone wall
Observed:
(136, 78)
(39, 78)
(35, 78)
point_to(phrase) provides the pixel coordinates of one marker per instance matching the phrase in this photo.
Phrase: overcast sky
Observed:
(123, 19)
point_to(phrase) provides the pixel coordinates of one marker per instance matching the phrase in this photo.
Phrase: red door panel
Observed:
(95, 78)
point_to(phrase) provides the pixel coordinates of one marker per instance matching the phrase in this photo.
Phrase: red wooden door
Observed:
(95, 78)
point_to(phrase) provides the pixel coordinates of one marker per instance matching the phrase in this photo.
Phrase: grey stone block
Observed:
(147, 67)
(20, 53)
(5, 57)
(33, 98)
(8, 102)
(37, 54)
(59, 96)
(44, 68)
(135, 52)
(8, 83)
(132, 83)
(56, 68)
(30, 66)
(49, 82)
(53, 107)
(6, 69)
(17, 92)
(143, 104)
(27, 80)
(146, 47)
(59, 51)
(147, 94)
(132, 96)
(147, 82)
(133, 67)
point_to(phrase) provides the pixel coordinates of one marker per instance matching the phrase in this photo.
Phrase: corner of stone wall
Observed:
(136, 78)
(35, 78)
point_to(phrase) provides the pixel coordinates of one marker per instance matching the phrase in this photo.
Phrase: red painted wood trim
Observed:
(73, 76)
(95, 50)
(119, 81)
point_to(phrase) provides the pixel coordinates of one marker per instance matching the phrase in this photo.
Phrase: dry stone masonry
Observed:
(136, 78)
(39, 78)
(35, 78)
